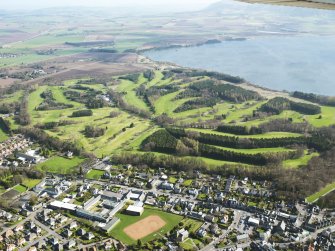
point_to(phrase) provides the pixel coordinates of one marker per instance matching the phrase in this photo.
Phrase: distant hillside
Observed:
(315, 4)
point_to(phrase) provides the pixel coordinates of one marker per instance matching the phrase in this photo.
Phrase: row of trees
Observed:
(50, 142)
(319, 99)
(215, 75)
(238, 142)
(23, 117)
(276, 125)
(163, 141)
(196, 104)
(82, 113)
(279, 104)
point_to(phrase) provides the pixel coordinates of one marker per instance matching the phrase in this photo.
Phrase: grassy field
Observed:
(126, 220)
(327, 189)
(60, 165)
(268, 135)
(30, 183)
(20, 188)
(94, 174)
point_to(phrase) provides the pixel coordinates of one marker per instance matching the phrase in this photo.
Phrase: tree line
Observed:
(315, 98)
(278, 104)
(163, 141)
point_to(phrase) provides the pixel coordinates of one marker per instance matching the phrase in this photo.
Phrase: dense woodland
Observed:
(90, 96)
(216, 89)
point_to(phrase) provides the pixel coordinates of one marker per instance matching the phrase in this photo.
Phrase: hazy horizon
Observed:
(171, 4)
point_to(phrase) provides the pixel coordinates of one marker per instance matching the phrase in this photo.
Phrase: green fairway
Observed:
(20, 188)
(302, 161)
(60, 165)
(171, 221)
(268, 135)
(256, 150)
(327, 189)
(94, 174)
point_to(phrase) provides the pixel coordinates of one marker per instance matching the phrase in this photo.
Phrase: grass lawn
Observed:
(193, 224)
(188, 244)
(94, 174)
(60, 165)
(187, 183)
(20, 188)
(256, 150)
(327, 189)
(3, 135)
(172, 180)
(30, 183)
(171, 221)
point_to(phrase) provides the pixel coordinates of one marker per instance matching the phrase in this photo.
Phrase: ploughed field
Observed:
(192, 114)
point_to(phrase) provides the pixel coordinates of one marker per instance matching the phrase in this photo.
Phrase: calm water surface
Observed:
(304, 63)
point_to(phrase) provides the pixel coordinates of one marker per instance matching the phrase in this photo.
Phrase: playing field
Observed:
(144, 227)
(161, 224)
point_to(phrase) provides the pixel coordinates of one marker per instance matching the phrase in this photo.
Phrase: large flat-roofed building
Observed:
(107, 195)
(63, 205)
(91, 202)
(91, 216)
(134, 210)
(111, 224)
(136, 195)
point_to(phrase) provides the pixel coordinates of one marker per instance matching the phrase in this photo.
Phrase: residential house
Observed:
(67, 233)
(10, 247)
(89, 236)
(8, 233)
(18, 228)
(81, 232)
(201, 232)
(73, 225)
(21, 241)
(242, 238)
(30, 237)
(181, 235)
(71, 244)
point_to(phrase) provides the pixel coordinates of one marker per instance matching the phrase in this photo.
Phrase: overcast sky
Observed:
(37, 4)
